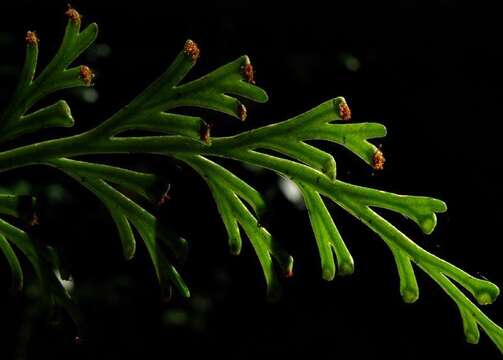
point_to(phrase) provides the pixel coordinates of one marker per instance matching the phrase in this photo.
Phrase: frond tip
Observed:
(73, 15)
(248, 71)
(344, 110)
(191, 49)
(378, 160)
(87, 75)
(32, 38)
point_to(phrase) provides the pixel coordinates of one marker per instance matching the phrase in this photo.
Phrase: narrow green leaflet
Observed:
(15, 267)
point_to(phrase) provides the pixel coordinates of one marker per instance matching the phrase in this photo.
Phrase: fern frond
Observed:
(187, 138)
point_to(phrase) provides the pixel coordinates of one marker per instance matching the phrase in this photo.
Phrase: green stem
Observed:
(87, 143)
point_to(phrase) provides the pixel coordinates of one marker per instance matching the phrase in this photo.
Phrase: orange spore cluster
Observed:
(242, 112)
(191, 49)
(378, 160)
(73, 14)
(31, 38)
(87, 75)
(344, 110)
(248, 73)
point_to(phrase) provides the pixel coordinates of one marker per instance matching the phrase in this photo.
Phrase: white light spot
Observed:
(351, 62)
(103, 50)
(97, 51)
(291, 192)
(67, 284)
(90, 95)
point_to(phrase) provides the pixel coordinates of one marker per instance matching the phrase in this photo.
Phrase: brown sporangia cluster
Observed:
(31, 38)
(191, 49)
(378, 160)
(73, 14)
(242, 113)
(204, 132)
(248, 72)
(87, 75)
(344, 111)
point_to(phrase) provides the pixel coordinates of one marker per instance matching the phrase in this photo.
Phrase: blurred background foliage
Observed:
(430, 71)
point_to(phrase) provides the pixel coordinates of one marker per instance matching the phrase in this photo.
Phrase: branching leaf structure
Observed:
(282, 147)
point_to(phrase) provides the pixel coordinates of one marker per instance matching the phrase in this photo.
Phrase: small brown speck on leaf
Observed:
(344, 110)
(31, 38)
(191, 49)
(87, 75)
(242, 113)
(165, 197)
(378, 160)
(204, 132)
(34, 221)
(248, 72)
(73, 14)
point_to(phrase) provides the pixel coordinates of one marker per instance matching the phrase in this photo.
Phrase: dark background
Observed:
(430, 71)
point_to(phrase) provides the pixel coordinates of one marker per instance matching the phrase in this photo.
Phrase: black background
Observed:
(430, 71)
